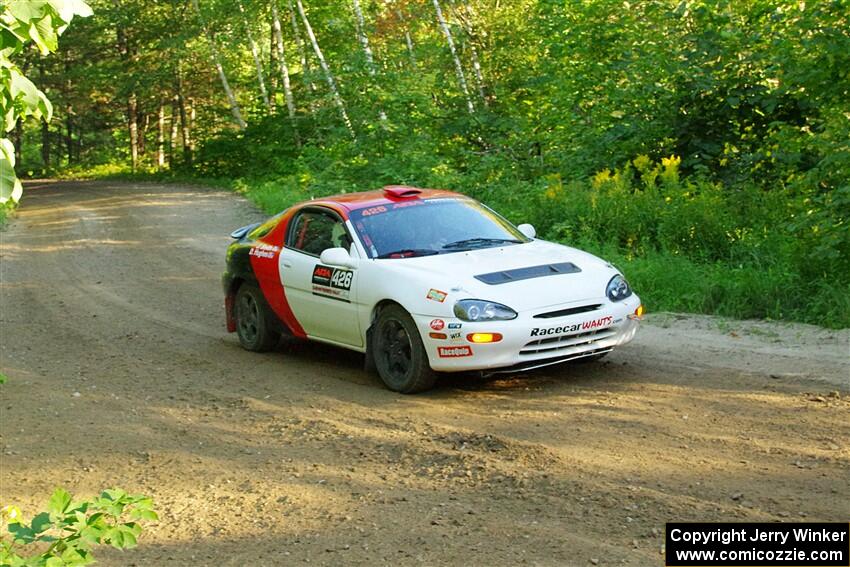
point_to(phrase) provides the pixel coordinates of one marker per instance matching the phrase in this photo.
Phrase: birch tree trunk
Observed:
(306, 70)
(160, 136)
(175, 117)
(284, 68)
(465, 18)
(185, 126)
(133, 125)
(407, 39)
(458, 67)
(361, 36)
(328, 75)
(45, 143)
(256, 54)
(124, 50)
(234, 106)
(364, 43)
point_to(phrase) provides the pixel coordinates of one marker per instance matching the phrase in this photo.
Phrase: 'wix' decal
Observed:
(333, 283)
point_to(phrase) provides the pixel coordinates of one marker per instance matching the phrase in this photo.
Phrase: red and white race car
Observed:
(423, 281)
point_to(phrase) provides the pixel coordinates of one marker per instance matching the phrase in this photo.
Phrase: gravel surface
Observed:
(121, 373)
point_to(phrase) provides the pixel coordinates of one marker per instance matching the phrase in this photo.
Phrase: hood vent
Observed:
(508, 276)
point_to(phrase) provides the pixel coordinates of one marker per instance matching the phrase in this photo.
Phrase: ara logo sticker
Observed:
(586, 326)
(436, 295)
(438, 324)
(333, 283)
(454, 352)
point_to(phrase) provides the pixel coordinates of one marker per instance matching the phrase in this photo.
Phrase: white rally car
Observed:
(423, 281)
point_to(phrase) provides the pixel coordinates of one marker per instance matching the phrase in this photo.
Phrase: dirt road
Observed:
(121, 374)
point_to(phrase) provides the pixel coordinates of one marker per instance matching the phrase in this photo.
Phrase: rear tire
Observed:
(253, 320)
(399, 355)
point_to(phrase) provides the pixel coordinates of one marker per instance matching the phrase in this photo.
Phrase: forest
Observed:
(701, 146)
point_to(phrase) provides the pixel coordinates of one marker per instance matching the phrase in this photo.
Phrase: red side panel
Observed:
(265, 261)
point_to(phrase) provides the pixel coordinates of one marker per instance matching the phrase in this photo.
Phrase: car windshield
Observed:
(433, 226)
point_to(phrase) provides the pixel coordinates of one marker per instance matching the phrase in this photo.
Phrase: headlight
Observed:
(618, 288)
(478, 310)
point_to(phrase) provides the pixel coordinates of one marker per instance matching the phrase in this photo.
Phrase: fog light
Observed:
(484, 337)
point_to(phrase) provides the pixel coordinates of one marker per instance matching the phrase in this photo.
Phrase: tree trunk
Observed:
(126, 56)
(144, 121)
(231, 99)
(185, 127)
(458, 67)
(465, 19)
(133, 126)
(364, 43)
(284, 68)
(407, 39)
(175, 117)
(191, 125)
(257, 62)
(328, 75)
(362, 37)
(306, 71)
(160, 135)
(18, 139)
(45, 144)
(272, 65)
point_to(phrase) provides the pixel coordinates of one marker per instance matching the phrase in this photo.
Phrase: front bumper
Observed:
(528, 341)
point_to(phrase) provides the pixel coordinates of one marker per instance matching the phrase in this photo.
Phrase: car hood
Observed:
(524, 277)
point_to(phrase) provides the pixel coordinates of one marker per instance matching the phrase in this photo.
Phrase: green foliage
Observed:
(66, 532)
(21, 22)
(709, 135)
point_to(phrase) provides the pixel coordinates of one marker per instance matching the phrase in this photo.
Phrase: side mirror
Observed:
(337, 257)
(527, 230)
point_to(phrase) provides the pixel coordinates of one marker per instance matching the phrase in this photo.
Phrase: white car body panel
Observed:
(410, 281)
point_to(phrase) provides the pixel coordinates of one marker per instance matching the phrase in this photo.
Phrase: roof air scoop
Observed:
(401, 191)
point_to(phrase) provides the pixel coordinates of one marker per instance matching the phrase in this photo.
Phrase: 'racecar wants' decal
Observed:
(585, 326)
(454, 352)
(333, 283)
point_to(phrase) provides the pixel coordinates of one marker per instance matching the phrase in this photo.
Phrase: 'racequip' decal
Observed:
(333, 283)
(436, 295)
(455, 325)
(585, 326)
(437, 324)
(263, 250)
(454, 352)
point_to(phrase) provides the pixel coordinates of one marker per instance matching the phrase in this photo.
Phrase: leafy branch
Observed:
(68, 530)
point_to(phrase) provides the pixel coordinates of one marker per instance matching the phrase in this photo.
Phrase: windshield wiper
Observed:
(409, 253)
(471, 242)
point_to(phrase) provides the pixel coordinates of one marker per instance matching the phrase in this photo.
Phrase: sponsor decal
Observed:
(454, 352)
(454, 336)
(455, 325)
(585, 326)
(436, 295)
(438, 324)
(333, 283)
(263, 250)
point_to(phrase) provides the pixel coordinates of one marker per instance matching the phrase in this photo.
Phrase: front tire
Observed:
(399, 355)
(253, 324)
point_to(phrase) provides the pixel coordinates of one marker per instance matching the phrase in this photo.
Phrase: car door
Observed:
(321, 297)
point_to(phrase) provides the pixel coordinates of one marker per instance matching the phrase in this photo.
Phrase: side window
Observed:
(314, 231)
